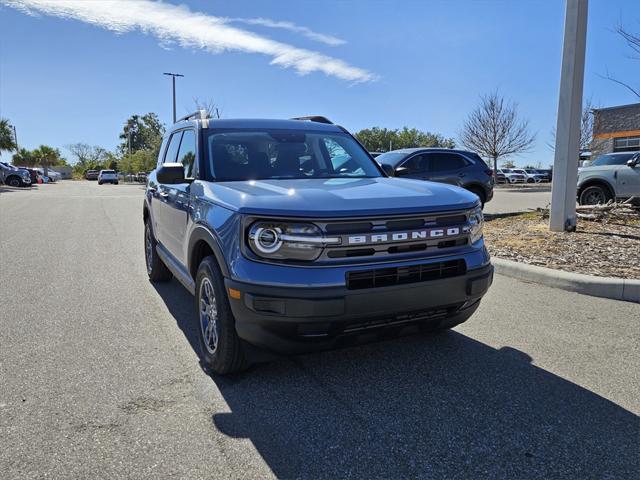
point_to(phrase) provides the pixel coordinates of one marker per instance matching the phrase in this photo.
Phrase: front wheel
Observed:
(156, 269)
(220, 347)
(14, 182)
(594, 195)
(481, 195)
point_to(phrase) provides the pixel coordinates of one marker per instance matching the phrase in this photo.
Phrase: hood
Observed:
(338, 197)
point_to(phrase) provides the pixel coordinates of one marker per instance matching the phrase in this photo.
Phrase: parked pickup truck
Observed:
(292, 238)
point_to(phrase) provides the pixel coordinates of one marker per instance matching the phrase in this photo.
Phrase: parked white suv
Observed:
(511, 175)
(613, 176)
(107, 176)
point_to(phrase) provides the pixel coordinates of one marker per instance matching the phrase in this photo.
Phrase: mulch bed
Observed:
(605, 249)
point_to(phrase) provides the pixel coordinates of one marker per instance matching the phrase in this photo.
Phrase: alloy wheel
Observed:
(208, 315)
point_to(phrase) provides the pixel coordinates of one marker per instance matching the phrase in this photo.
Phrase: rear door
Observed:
(447, 167)
(177, 201)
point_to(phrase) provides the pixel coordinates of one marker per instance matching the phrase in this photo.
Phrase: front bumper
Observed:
(295, 320)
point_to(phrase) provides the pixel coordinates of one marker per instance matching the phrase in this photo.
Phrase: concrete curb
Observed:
(606, 287)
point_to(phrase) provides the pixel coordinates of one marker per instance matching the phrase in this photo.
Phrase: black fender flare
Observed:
(199, 233)
(595, 181)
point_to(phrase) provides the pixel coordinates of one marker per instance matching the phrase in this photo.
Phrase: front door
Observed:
(178, 200)
(628, 180)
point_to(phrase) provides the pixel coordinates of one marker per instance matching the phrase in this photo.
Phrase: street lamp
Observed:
(173, 81)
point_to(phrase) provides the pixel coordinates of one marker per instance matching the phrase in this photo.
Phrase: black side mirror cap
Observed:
(171, 173)
(388, 169)
(400, 171)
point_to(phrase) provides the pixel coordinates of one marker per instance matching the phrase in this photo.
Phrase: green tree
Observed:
(24, 158)
(46, 157)
(142, 133)
(140, 161)
(7, 138)
(88, 157)
(378, 139)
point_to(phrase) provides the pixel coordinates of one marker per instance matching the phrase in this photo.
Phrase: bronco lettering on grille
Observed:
(403, 236)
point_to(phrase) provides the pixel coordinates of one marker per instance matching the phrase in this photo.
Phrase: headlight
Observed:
(476, 223)
(288, 241)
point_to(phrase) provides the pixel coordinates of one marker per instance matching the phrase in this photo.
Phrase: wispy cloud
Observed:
(292, 27)
(177, 23)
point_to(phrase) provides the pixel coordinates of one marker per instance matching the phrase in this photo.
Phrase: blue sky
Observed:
(392, 63)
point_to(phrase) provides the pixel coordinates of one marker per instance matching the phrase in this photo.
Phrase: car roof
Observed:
(265, 123)
(411, 151)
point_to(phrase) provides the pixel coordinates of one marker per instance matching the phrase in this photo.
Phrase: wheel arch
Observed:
(600, 182)
(203, 243)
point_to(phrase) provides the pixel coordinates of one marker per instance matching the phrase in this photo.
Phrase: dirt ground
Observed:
(595, 248)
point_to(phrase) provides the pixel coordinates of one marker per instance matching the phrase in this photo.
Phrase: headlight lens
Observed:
(476, 224)
(287, 241)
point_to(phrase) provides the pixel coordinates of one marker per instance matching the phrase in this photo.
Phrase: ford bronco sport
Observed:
(292, 238)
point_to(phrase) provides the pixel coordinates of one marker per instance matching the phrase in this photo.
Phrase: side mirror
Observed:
(388, 169)
(633, 161)
(171, 173)
(400, 171)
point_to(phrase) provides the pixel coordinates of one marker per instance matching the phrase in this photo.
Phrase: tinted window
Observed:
(187, 152)
(273, 154)
(172, 148)
(440, 162)
(617, 159)
(416, 164)
(391, 158)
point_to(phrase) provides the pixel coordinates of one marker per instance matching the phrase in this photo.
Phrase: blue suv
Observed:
(292, 238)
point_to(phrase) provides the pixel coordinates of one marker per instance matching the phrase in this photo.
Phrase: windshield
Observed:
(391, 158)
(613, 159)
(277, 154)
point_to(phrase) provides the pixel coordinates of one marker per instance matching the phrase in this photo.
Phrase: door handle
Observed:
(153, 189)
(461, 175)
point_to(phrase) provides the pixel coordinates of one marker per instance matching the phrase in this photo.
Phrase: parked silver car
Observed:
(610, 176)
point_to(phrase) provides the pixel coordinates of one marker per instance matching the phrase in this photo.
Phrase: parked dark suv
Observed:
(292, 238)
(457, 167)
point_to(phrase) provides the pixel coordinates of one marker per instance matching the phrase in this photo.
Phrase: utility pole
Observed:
(173, 81)
(15, 138)
(565, 165)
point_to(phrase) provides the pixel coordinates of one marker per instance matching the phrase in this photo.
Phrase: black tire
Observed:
(99, 183)
(225, 353)
(156, 269)
(115, 183)
(530, 180)
(480, 193)
(594, 195)
(14, 181)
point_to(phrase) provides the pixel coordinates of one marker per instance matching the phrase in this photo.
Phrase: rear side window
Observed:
(440, 162)
(187, 152)
(172, 148)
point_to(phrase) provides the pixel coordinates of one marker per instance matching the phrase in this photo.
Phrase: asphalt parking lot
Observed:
(99, 378)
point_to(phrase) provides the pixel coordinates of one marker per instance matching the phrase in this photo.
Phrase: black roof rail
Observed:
(315, 118)
(198, 115)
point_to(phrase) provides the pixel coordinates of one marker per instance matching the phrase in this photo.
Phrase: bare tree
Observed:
(587, 142)
(208, 106)
(632, 39)
(494, 130)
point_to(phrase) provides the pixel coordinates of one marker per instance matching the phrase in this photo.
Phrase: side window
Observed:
(172, 149)
(416, 164)
(440, 162)
(187, 152)
(338, 155)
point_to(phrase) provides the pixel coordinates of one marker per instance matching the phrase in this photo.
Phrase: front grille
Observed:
(365, 229)
(385, 277)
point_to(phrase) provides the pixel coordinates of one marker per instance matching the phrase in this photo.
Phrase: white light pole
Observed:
(565, 165)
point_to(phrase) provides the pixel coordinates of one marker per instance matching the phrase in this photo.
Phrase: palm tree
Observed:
(7, 140)
(46, 157)
(24, 158)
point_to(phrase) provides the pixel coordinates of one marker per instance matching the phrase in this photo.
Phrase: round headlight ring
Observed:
(267, 239)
